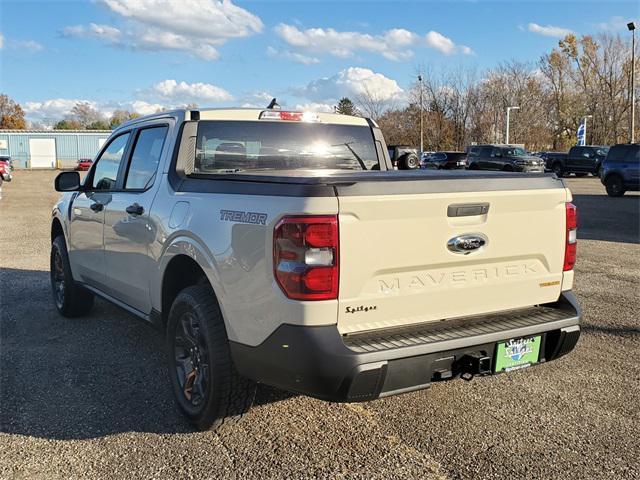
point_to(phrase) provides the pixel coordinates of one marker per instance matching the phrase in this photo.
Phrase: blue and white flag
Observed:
(582, 141)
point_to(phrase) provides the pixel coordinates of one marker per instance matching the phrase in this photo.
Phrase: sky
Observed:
(142, 55)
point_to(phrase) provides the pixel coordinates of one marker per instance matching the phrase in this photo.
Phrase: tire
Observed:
(409, 161)
(614, 186)
(558, 170)
(473, 166)
(207, 387)
(71, 299)
(507, 168)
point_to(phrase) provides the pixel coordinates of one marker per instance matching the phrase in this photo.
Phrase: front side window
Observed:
(146, 157)
(514, 152)
(236, 146)
(107, 166)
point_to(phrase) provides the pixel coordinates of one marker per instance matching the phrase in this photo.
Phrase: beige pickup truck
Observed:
(282, 247)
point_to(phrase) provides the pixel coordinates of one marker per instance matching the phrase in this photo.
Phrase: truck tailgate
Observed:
(396, 267)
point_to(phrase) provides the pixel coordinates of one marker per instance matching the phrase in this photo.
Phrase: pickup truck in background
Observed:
(264, 244)
(580, 161)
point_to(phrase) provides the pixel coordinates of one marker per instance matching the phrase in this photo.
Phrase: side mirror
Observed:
(67, 182)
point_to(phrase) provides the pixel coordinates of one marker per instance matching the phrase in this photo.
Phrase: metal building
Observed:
(50, 148)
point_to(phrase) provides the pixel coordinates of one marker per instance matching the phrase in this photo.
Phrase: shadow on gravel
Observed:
(81, 378)
(610, 219)
(611, 330)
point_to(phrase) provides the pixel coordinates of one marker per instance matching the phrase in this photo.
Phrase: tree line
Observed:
(582, 77)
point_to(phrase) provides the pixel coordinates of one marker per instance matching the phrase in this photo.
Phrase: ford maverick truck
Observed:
(282, 248)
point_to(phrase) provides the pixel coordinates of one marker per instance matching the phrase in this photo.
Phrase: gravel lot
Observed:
(90, 398)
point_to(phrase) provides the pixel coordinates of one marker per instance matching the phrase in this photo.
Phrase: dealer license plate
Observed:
(517, 353)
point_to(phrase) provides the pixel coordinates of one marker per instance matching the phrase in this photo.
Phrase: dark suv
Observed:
(621, 169)
(507, 158)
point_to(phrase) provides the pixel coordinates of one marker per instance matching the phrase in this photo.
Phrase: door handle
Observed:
(135, 209)
(96, 207)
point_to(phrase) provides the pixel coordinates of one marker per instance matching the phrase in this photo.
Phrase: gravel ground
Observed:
(89, 398)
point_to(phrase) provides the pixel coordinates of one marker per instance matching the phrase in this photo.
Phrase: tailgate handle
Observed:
(467, 209)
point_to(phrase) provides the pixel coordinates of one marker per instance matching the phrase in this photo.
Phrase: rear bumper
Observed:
(319, 362)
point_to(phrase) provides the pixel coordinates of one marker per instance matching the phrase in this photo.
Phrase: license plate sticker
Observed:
(517, 353)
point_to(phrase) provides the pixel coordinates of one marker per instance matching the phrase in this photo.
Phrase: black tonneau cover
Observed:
(314, 183)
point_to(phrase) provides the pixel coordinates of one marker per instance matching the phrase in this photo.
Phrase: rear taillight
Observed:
(570, 245)
(305, 257)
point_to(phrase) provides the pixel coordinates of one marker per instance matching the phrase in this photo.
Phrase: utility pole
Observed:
(506, 140)
(585, 128)
(421, 117)
(632, 27)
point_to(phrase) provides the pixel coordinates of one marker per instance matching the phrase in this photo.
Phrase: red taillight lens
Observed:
(305, 257)
(571, 237)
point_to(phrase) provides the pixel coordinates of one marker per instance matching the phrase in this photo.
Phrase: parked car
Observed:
(620, 170)
(444, 160)
(507, 158)
(404, 157)
(550, 158)
(84, 164)
(6, 169)
(581, 160)
(264, 245)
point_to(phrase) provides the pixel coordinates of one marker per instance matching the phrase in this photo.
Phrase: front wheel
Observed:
(614, 186)
(70, 298)
(205, 383)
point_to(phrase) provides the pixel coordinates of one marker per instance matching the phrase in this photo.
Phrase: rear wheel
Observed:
(507, 168)
(70, 298)
(206, 385)
(473, 166)
(614, 186)
(558, 170)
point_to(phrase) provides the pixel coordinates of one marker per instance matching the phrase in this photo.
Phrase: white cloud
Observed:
(351, 82)
(393, 44)
(314, 107)
(197, 27)
(29, 46)
(289, 55)
(616, 24)
(190, 92)
(549, 30)
(48, 112)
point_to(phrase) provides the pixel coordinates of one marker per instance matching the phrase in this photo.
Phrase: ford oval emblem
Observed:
(468, 243)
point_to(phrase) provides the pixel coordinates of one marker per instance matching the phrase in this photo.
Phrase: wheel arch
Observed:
(184, 263)
(56, 228)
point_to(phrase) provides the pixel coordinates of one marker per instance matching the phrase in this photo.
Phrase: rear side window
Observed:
(624, 153)
(485, 152)
(223, 147)
(107, 166)
(145, 158)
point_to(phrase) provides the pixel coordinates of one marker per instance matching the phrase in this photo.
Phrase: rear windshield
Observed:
(234, 146)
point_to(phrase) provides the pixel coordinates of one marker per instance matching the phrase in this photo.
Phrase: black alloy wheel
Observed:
(191, 360)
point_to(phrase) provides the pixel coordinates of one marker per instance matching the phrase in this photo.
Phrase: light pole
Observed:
(632, 27)
(585, 128)
(421, 117)
(506, 140)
